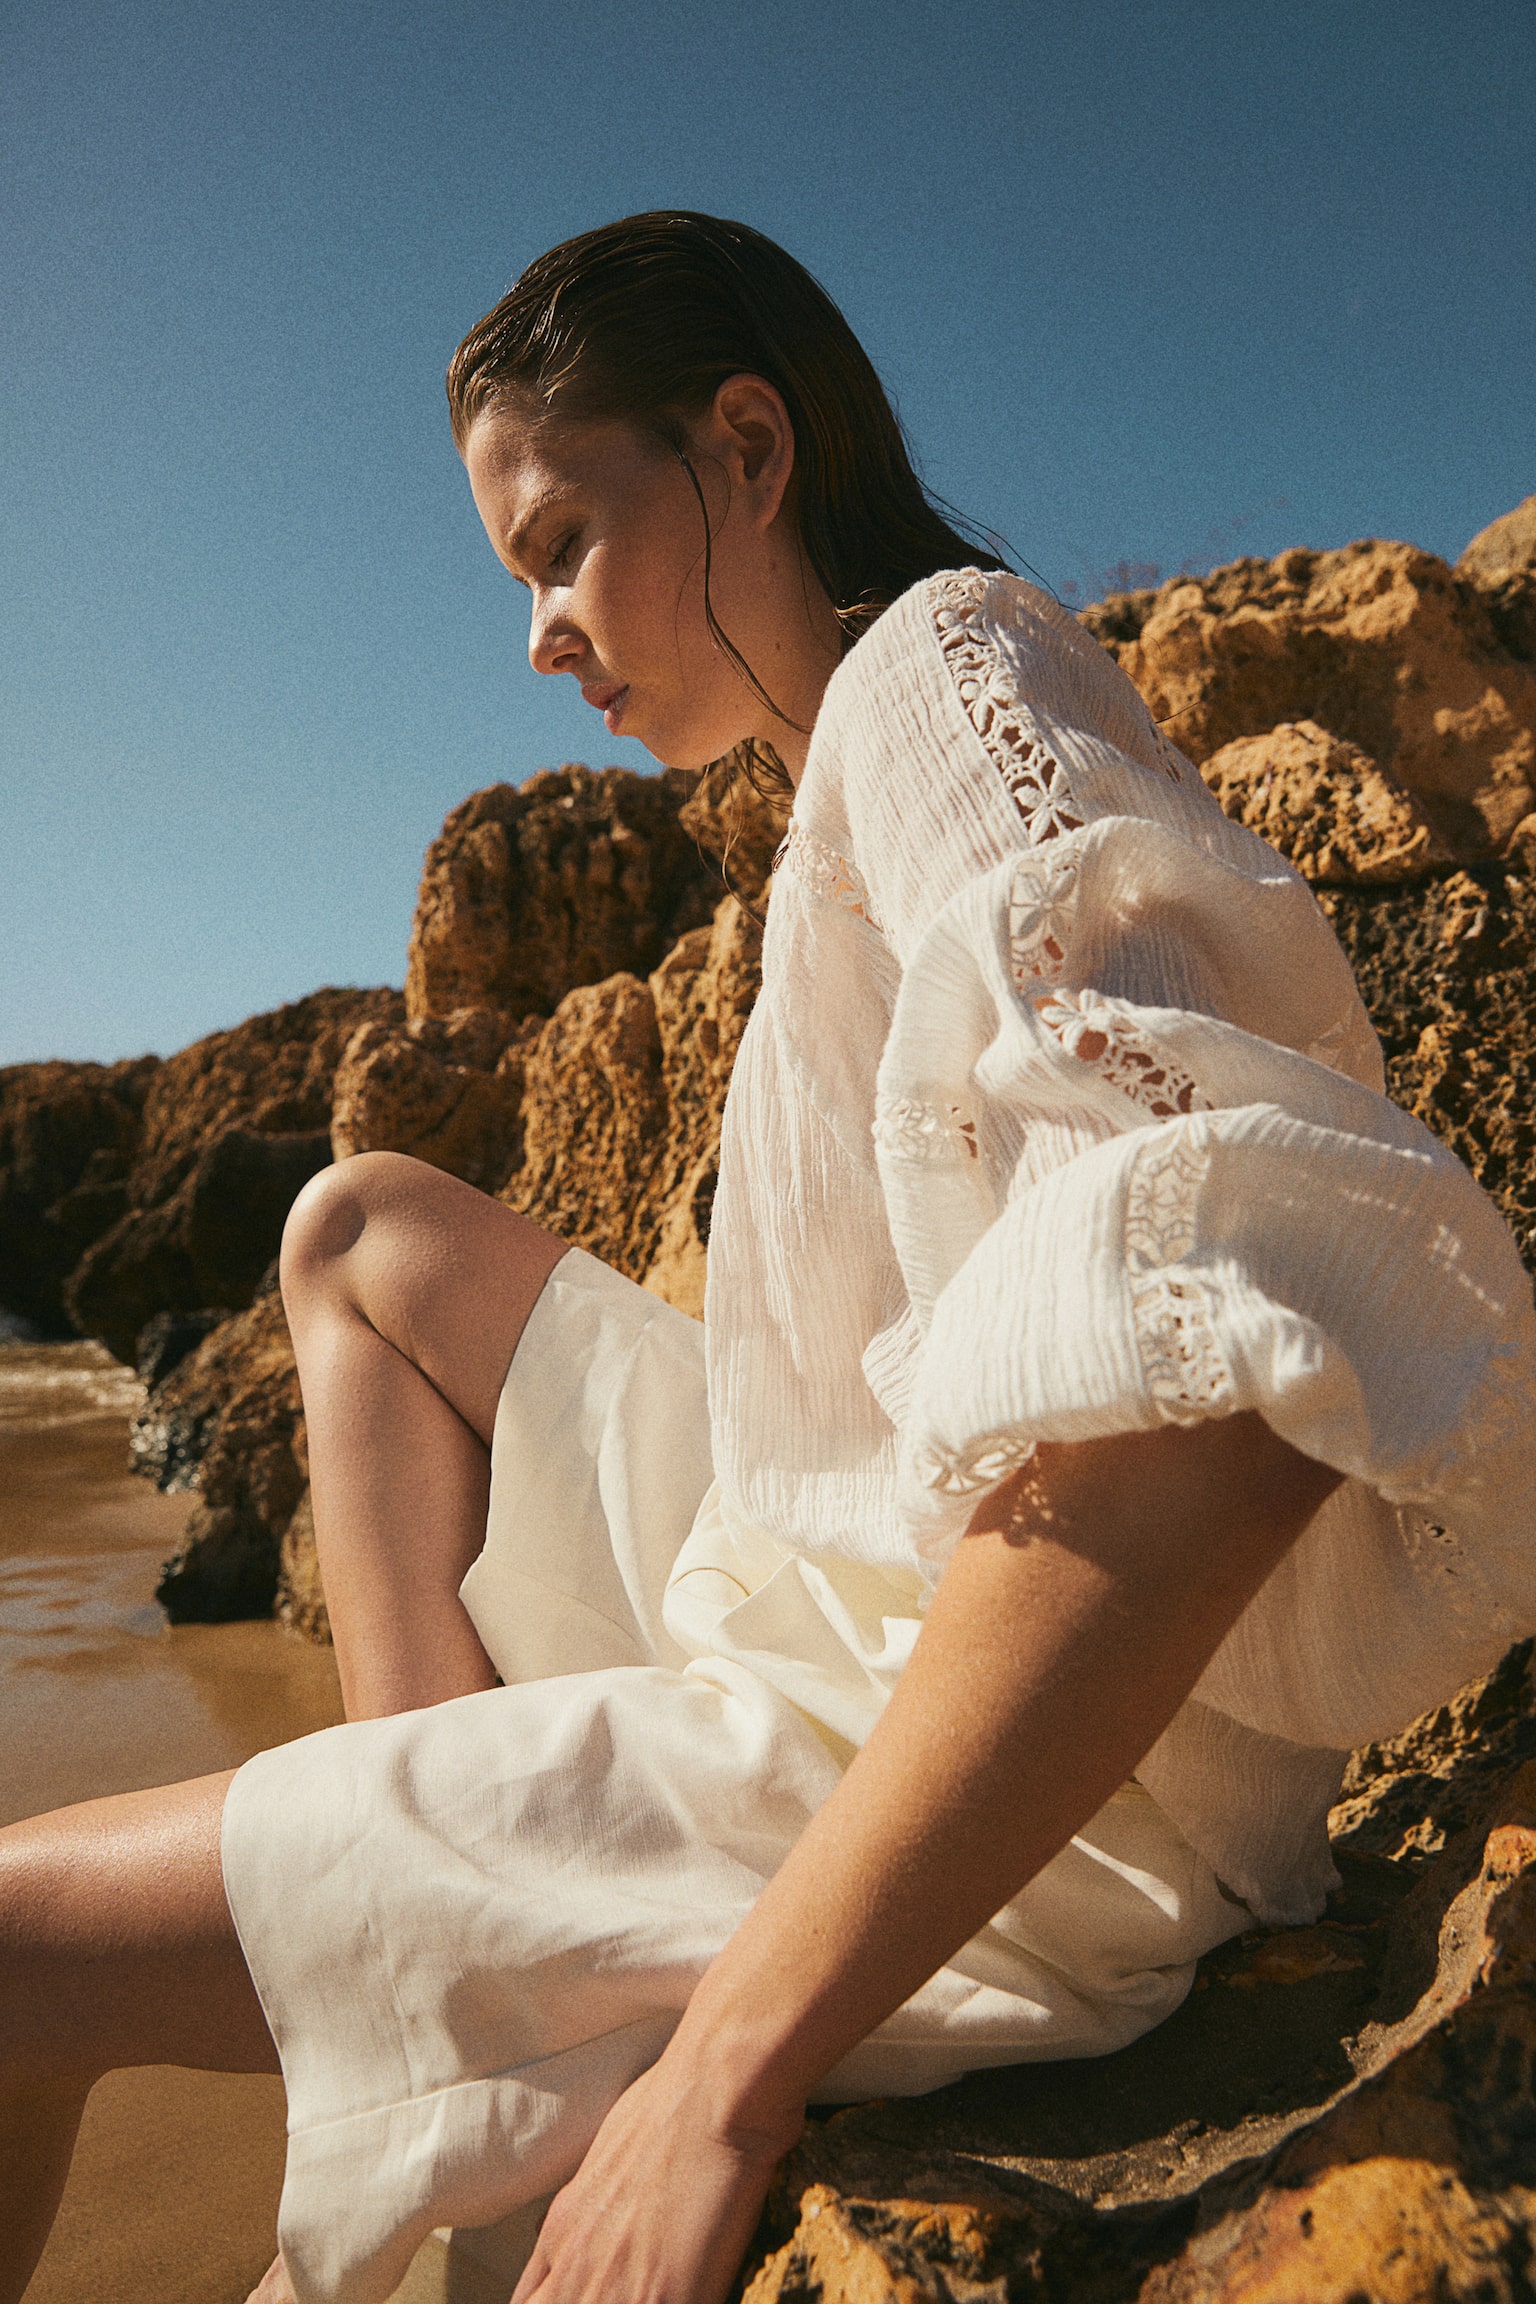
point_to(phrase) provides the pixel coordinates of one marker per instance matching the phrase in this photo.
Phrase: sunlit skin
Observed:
(602, 524)
(1088, 1595)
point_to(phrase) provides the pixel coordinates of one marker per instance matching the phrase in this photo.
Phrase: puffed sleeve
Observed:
(1138, 1170)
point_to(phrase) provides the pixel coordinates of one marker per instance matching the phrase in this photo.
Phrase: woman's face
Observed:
(601, 523)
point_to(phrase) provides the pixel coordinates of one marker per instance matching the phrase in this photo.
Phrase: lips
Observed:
(609, 699)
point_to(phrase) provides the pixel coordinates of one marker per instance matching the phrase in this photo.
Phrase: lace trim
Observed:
(913, 1130)
(1039, 785)
(1040, 915)
(1183, 1365)
(1120, 1051)
(1498, 1415)
(825, 872)
(981, 1463)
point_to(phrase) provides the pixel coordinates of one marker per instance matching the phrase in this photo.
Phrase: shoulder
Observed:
(973, 644)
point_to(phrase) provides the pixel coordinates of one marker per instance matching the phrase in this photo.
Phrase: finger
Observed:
(535, 2273)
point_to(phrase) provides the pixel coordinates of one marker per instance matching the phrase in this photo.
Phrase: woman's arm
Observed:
(1085, 1601)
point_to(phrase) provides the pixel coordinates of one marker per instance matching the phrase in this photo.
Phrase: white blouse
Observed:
(1059, 1115)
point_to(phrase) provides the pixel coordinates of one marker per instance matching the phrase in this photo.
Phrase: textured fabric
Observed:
(1059, 1115)
(472, 1926)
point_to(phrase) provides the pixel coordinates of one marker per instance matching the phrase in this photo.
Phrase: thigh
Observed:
(116, 1941)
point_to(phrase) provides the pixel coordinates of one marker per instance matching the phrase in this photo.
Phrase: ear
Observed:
(749, 431)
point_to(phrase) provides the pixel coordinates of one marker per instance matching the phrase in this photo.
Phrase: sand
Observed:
(173, 2194)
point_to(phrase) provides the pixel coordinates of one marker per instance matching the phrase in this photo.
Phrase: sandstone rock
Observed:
(447, 1090)
(229, 1422)
(1446, 971)
(1505, 548)
(566, 880)
(1501, 564)
(232, 1127)
(703, 993)
(69, 1136)
(1380, 643)
(595, 1123)
(1405, 1797)
(300, 1592)
(1337, 816)
(736, 826)
(1380, 2069)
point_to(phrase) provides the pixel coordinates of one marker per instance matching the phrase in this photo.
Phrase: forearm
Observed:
(1075, 1617)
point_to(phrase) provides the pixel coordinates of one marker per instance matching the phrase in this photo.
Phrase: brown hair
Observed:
(644, 319)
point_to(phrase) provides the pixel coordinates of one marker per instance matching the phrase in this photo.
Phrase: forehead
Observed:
(521, 461)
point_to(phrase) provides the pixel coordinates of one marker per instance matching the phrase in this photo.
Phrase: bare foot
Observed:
(274, 2288)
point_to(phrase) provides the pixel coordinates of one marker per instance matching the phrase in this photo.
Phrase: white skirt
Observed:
(471, 1927)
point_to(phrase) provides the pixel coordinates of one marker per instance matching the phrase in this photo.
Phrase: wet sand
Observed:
(173, 2193)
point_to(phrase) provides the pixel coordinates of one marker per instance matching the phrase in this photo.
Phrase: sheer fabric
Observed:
(1059, 1116)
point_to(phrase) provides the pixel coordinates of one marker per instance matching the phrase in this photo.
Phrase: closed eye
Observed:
(562, 551)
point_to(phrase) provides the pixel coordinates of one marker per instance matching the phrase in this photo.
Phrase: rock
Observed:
(1380, 643)
(1445, 970)
(1337, 816)
(1505, 548)
(447, 1090)
(167, 1339)
(1405, 1797)
(703, 994)
(232, 1127)
(1337, 2115)
(1501, 564)
(566, 880)
(595, 1123)
(300, 1592)
(69, 1135)
(736, 827)
(229, 1421)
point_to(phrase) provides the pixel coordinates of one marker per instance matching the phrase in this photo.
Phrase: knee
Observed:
(336, 1208)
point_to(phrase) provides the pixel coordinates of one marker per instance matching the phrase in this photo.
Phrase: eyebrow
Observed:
(513, 543)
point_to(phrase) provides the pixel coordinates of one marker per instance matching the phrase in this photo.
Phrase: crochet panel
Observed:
(1184, 1367)
(827, 874)
(1040, 787)
(1096, 1033)
(1040, 915)
(914, 1130)
(981, 1463)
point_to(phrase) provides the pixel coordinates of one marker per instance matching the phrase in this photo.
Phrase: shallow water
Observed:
(174, 2188)
(97, 1692)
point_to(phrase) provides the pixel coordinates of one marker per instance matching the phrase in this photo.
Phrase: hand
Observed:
(663, 2206)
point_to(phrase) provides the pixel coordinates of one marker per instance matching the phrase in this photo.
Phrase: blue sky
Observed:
(1155, 283)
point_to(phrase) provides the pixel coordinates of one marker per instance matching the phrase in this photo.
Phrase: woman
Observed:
(1114, 1409)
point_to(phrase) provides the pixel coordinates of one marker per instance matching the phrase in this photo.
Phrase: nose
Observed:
(554, 644)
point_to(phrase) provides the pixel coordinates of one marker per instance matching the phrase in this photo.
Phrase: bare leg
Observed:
(116, 1947)
(407, 1292)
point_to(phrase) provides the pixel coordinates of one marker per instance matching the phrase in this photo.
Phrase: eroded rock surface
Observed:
(228, 1423)
(1340, 819)
(231, 1129)
(1380, 643)
(69, 1137)
(1340, 2114)
(561, 881)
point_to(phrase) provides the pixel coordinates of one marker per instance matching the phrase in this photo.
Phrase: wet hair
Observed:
(644, 319)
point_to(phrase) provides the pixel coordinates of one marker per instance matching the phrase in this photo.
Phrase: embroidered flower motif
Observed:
(1120, 1051)
(1497, 1416)
(981, 1463)
(821, 869)
(1039, 785)
(913, 1130)
(1182, 1363)
(1040, 916)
